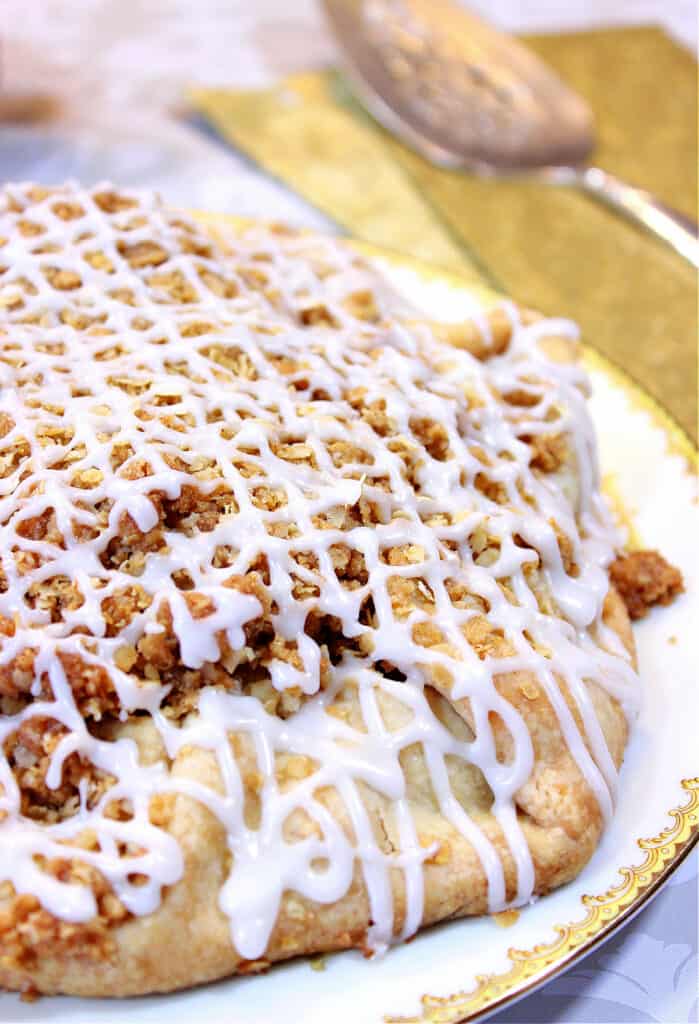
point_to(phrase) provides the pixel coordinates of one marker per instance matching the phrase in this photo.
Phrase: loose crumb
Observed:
(644, 579)
(506, 918)
(317, 963)
(30, 994)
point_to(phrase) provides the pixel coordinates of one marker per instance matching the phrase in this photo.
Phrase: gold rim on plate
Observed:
(605, 915)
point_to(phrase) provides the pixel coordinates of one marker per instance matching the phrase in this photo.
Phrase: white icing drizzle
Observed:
(54, 374)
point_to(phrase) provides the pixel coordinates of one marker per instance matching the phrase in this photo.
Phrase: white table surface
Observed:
(119, 67)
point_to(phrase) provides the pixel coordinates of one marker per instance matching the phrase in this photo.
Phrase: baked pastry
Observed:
(308, 639)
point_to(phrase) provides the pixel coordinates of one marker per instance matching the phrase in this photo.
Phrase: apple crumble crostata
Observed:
(307, 632)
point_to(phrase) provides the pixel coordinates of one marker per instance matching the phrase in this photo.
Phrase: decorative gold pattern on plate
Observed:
(678, 441)
(605, 913)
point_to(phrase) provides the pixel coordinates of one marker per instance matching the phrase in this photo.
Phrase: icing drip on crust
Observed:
(233, 487)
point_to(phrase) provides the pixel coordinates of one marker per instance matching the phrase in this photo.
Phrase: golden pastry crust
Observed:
(119, 955)
(123, 652)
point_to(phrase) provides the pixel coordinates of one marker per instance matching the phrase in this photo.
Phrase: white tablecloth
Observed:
(119, 67)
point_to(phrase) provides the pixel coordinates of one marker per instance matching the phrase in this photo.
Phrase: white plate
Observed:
(467, 969)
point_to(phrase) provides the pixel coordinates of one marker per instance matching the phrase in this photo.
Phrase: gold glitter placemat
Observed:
(551, 248)
(327, 151)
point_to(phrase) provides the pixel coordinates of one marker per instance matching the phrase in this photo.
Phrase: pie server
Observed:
(467, 96)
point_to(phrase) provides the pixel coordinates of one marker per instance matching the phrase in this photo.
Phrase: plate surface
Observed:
(465, 970)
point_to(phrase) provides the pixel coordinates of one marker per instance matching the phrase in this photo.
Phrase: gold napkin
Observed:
(552, 248)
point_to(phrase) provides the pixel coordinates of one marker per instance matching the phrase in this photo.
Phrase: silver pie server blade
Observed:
(468, 96)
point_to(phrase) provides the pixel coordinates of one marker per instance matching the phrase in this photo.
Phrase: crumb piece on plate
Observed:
(644, 579)
(506, 918)
(30, 994)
